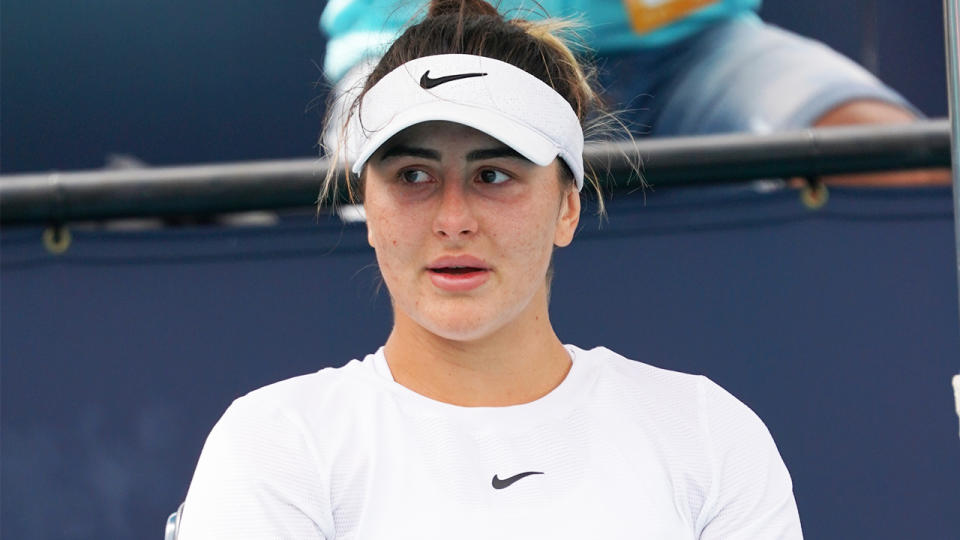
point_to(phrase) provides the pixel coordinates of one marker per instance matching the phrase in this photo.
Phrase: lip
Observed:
(449, 261)
(459, 282)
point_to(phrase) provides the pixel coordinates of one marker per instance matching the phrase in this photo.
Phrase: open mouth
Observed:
(456, 270)
(459, 274)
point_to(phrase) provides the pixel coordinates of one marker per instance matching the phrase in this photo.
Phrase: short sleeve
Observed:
(257, 477)
(751, 494)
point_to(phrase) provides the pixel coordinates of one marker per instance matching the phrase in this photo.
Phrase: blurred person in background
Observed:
(672, 67)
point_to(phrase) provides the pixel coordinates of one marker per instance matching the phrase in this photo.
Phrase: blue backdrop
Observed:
(838, 327)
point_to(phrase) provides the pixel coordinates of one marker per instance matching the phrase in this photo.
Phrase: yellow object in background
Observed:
(647, 15)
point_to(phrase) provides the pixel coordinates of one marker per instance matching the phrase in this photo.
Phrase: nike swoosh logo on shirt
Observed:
(507, 482)
(427, 83)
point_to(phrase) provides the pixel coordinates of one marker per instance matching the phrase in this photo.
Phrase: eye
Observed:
(414, 176)
(493, 176)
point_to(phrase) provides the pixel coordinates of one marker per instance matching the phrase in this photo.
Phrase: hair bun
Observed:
(461, 8)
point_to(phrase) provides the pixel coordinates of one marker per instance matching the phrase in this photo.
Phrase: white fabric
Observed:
(627, 451)
(502, 101)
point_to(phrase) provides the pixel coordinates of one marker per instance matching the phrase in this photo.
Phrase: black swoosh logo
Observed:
(427, 83)
(507, 482)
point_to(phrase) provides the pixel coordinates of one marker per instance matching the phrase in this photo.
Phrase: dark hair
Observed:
(475, 27)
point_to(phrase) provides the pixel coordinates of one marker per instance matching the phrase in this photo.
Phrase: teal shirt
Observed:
(358, 29)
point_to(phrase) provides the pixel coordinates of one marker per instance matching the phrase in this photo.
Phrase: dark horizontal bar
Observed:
(233, 187)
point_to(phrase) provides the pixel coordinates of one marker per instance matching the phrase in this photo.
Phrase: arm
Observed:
(865, 111)
(751, 494)
(257, 477)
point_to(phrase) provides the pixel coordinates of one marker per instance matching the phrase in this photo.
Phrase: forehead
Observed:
(440, 135)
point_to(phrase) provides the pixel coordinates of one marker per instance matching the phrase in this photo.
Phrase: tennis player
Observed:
(474, 421)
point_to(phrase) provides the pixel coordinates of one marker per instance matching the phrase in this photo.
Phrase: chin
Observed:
(460, 330)
(460, 323)
(462, 319)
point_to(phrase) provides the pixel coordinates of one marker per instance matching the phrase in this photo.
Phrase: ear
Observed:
(369, 228)
(568, 219)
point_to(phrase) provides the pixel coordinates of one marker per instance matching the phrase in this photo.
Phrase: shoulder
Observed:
(308, 392)
(294, 409)
(725, 462)
(638, 378)
(264, 466)
(667, 406)
(288, 405)
(671, 393)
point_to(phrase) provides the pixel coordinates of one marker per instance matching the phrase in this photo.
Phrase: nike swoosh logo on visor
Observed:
(507, 482)
(427, 83)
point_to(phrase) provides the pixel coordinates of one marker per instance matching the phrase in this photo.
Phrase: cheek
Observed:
(528, 234)
(381, 222)
(392, 237)
(384, 235)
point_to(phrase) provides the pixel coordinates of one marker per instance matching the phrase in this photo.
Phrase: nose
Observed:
(454, 217)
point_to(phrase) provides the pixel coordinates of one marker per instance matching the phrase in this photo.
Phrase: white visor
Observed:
(491, 96)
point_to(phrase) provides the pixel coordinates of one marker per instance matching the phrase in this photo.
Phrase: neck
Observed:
(518, 363)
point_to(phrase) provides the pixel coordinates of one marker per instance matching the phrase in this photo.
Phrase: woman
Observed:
(474, 420)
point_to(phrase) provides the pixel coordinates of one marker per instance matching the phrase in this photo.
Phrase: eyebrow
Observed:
(426, 153)
(401, 150)
(498, 152)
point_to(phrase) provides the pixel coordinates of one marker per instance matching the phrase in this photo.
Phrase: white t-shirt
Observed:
(619, 450)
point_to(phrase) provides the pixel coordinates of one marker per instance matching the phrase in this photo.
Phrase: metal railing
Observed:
(59, 197)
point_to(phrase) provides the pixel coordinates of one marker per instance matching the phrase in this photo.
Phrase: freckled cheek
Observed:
(536, 255)
(396, 247)
(529, 245)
